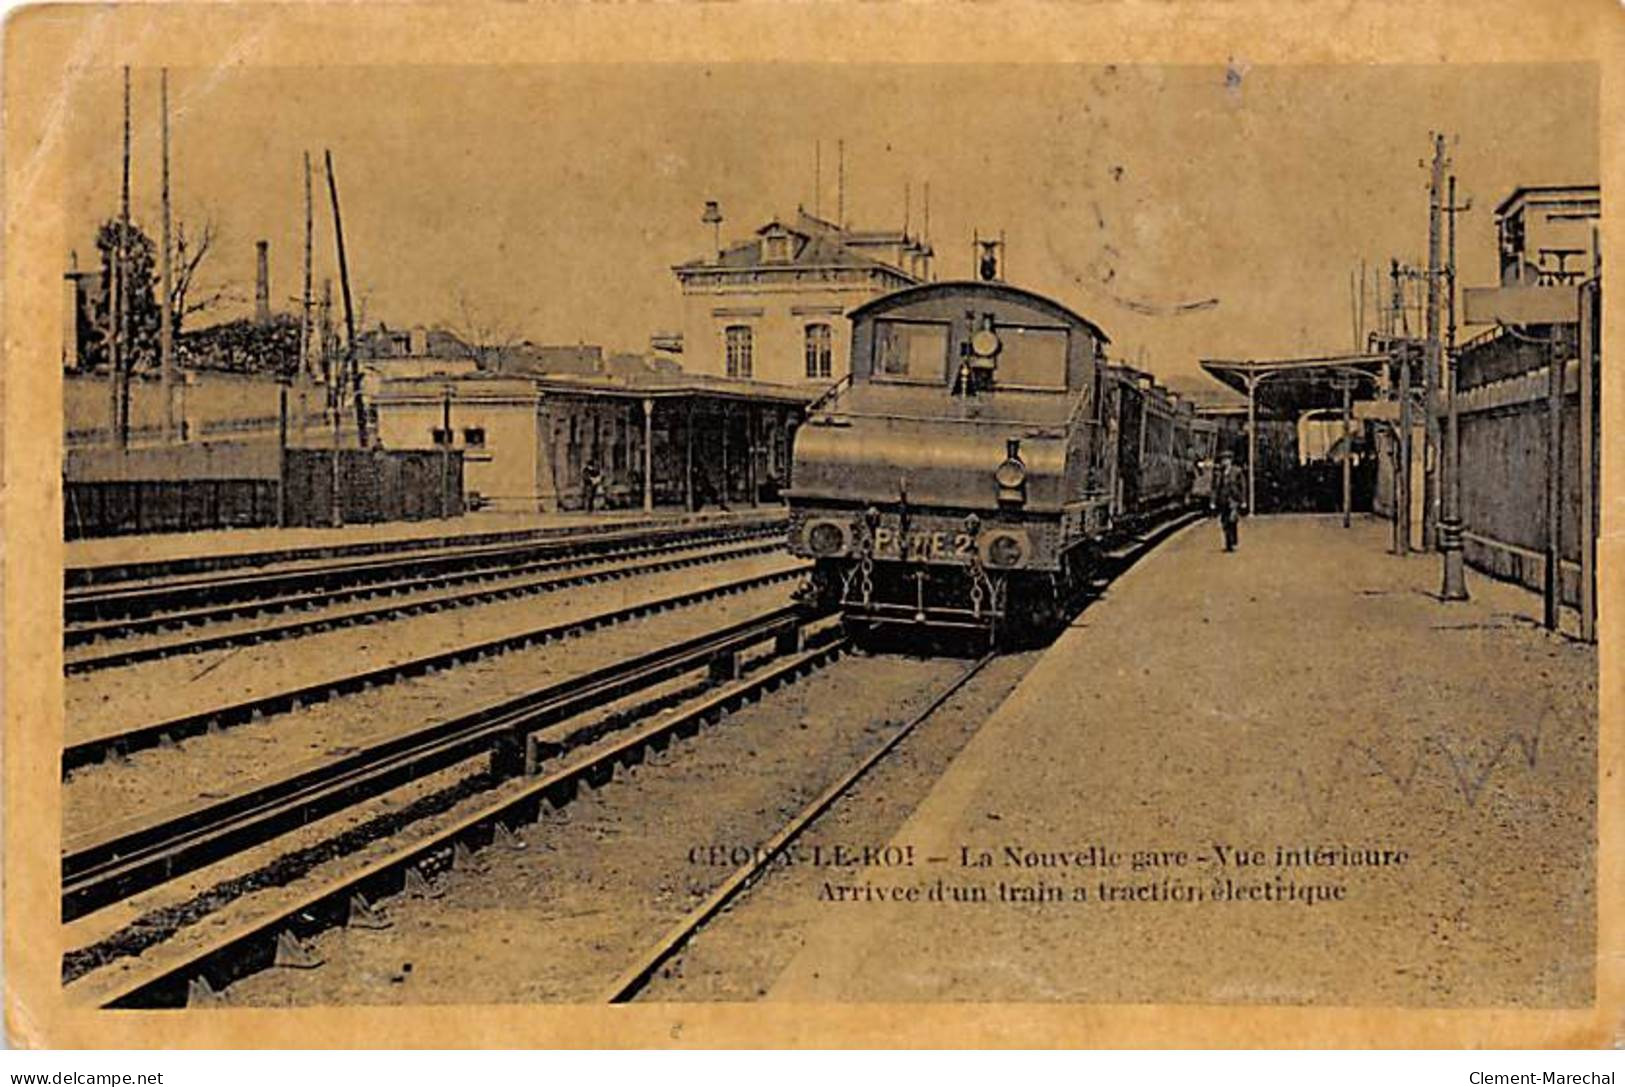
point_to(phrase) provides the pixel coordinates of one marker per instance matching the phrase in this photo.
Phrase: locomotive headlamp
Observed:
(871, 517)
(973, 525)
(984, 343)
(1011, 476)
(826, 538)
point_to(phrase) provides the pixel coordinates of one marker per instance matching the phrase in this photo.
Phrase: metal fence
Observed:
(372, 485)
(214, 486)
(132, 507)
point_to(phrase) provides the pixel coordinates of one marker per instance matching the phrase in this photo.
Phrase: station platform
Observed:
(1287, 775)
(113, 558)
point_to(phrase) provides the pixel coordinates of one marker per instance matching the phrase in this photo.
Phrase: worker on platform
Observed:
(1229, 497)
(592, 482)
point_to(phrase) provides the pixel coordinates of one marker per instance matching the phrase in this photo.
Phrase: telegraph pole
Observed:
(166, 321)
(1402, 477)
(1430, 360)
(306, 367)
(127, 354)
(335, 399)
(116, 361)
(352, 365)
(1455, 574)
(304, 296)
(840, 184)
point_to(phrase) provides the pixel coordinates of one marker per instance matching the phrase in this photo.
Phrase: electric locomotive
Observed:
(980, 450)
(954, 477)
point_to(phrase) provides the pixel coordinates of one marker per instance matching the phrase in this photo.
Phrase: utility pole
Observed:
(117, 324)
(818, 178)
(166, 321)
(1359, 343)
(352, 364)
(840, 184)
(1402, 474)
(324, 333)
(1430, 361)
(1455, 574)
(335, 400)
(306, 368)
(925, 229)
(1354, 312)
(1385, 319)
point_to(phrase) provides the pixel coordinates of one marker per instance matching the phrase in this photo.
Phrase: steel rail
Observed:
(157, 980)
(109, 575)
(97, 871)
(608, 569)
(634, 978)
(97, 748)
(248, 589)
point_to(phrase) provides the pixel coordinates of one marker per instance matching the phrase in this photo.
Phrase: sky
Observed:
(550, 202)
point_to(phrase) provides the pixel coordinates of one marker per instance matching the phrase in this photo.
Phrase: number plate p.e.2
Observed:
(923, 545)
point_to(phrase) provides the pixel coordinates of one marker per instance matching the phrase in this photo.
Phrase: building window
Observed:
(737, 338)
(818, 355)
(441, 436)
(474, 437)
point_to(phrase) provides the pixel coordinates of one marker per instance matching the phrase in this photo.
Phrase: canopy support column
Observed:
(1348, 451)
(648, 455)
(1252, 444)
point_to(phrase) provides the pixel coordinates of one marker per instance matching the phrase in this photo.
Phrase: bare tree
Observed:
(482, 337)
(188, 296)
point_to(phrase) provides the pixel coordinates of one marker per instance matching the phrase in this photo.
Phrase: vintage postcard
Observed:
(930, 525)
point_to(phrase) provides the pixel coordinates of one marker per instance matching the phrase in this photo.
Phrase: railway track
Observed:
(542, 751)
(529, 579)
(632, 981)
(531, 737)
(99, 612)
(311, 554)
(109, 867)
(95, 749)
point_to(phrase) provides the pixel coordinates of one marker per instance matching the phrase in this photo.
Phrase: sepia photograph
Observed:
(612, 522)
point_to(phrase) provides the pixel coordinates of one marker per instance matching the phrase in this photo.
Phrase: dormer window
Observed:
(776, 249)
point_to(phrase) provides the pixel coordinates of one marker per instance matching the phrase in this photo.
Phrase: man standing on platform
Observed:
(1229, 496)
(592, 482)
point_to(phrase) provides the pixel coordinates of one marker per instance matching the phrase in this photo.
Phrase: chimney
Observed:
(262, 283)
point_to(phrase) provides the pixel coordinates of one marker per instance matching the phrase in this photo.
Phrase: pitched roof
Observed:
(821, 244)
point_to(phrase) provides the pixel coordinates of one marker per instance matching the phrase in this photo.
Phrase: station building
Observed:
(1548, 233)
(658, 439)
(770, 309)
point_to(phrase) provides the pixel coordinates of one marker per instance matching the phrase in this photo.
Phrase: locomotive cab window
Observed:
(1031, 358)
(914, 351)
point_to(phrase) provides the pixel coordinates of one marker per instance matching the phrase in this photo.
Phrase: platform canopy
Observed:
(1285, 388)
